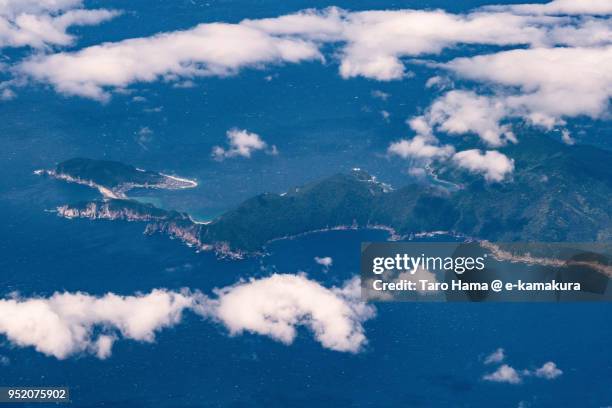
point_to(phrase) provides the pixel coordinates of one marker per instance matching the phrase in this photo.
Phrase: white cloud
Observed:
(493, 165)
(564, 72)
(566, 137)
(560, 67)
(40, 24)
(439, 82)
(590, 33)
(417, 172)
(504, 374)
(507, 374)
(496, 357)
(15, 7)
(67, 324)
(460, 112)
(544, 85)
(241, 143)
(103, 346)
(423, 149)
(548, 371)
(376, 40)
(63, 324)
(325, 261)
(277, 305)
(420, 126)
(320, 25)
(216, 49)
(602, 7)
(420, 147)
(184, 84)
(370, 44)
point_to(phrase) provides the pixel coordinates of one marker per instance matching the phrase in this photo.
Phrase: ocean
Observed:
(417, 355)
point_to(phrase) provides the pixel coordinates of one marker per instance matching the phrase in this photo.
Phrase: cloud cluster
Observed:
(275, 306)
(556, 64)
(561, 68)
(541, 85)
(66, 324)
(460, 112)
(216, 49)
(45, 23)
(376, 41)
(371, 44)
(425, 148)
(242, 143)
(509, 375)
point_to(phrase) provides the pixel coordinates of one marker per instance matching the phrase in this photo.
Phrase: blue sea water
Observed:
(418, 355)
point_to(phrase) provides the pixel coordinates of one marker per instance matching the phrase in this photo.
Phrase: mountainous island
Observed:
(557, 193)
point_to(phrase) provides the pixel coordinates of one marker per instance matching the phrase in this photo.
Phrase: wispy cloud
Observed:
(495, 357)
(45, 23)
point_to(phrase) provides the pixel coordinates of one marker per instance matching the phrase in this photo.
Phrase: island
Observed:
(557, 193)
(112, 178)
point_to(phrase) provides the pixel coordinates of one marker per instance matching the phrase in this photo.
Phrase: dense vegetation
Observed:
(556, 193)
